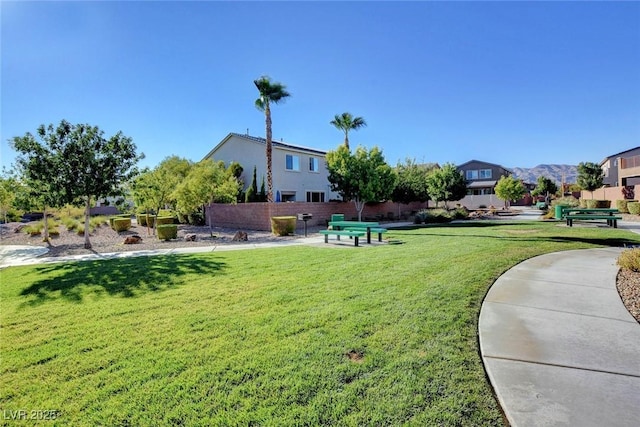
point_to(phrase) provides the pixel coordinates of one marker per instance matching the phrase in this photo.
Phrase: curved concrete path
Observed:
(559, 346)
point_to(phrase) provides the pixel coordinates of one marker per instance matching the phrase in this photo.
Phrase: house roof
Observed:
(617, 155)
(482, 184)
(486, 163)
(261, 140)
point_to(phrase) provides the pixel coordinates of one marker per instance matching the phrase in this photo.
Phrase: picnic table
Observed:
(589, 214)
(358, 225)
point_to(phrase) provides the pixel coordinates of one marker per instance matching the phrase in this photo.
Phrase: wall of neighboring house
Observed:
(294, 184)
(257, 216)
(481, 182)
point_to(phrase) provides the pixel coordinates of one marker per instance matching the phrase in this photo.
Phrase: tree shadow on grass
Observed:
(124, 277)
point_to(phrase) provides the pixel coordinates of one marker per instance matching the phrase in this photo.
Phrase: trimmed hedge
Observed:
(633, 208)
(167, 231)
(283, 225)
(113, 218)
(162, 220)
(597, 204)
(121, 224)
(622, 205)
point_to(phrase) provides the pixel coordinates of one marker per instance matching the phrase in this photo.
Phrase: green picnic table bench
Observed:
(367, 226)
(586, 214)
(355, 234)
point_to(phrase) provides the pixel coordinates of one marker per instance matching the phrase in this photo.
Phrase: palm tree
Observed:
(270, 92)
(346, 122)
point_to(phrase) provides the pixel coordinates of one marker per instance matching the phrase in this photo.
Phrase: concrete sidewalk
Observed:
(559, 346)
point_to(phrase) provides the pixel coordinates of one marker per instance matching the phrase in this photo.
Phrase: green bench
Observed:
(612, 221)
(356, 234)
(380, 231)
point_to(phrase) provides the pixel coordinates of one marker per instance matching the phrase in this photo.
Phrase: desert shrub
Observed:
(459, 213)
(566, 201)
(162, 220)
(98, 221)
(633, 208)
(621, 205)
(167, 231)
(34, 229)
(283, 225)
(591, 203)
(583, 202)
(121, 224)
(437, 216)
(196, 218)
(630, 259)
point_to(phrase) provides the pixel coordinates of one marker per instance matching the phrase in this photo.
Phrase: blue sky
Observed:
(513, 83)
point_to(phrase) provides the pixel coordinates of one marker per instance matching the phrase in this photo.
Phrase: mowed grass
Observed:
(324, 335)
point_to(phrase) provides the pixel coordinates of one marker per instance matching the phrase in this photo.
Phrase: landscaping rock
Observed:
(132, 240)
(191, 237)
(240, 236)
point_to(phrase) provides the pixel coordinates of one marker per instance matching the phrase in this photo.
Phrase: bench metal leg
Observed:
(356, 240)
(326, 238)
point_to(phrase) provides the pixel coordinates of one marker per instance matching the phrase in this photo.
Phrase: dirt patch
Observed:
(355, 356)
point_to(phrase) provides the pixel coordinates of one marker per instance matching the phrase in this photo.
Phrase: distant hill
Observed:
(553, 172)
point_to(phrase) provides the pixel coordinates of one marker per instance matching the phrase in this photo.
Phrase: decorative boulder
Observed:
(190, 237)
(132, 240)
(240, 236)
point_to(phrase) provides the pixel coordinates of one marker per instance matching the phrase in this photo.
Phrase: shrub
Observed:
(283, 225)
(112, 219)
(603, 204)
(34, 229)
(167, 231)
(121, 224)
(630, 259)
(162, 220)
(460, 213)
(634, 208)
(583, 203)
(591, 203)
(436, 216)
(419, 218)
(98, 221)
(142, 220)
(196, 218)
(566, 201)
(621, 205)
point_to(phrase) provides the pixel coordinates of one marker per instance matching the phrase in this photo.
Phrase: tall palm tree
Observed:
(346, 122)
(270, 92)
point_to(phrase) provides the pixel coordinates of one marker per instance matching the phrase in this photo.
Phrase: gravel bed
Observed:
(106, 240)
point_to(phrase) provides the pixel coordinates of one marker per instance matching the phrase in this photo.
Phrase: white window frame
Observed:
(485, 174)
(295, 163)
(314, 164)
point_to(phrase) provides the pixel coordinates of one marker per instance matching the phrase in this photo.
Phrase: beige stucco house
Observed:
(299, 173)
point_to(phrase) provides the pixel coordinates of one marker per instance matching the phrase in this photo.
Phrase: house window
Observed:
(288, 196)
(313, 164)
(485, 173)
(292, 162)
(472, 174)
(315, 196)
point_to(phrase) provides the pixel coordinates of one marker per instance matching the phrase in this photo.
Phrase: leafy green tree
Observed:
(270, 92)
(6, 198)
(509, 189)
(590, 176)
(545, 186)
(263, 194)
(361, 177)
(411, 185)
(207, 182)
(346, 122)
(76, 164)
(446, 184)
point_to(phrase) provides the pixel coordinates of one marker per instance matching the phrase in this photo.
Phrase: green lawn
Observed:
(376, 335)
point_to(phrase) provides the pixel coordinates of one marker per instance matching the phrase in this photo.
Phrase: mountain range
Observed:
(557, 173)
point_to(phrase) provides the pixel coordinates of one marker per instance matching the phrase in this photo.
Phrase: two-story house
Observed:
(482, 178)
(299, 173)
(622, 169)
